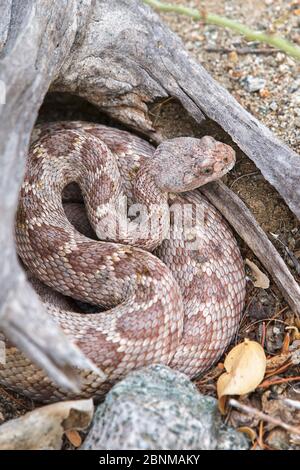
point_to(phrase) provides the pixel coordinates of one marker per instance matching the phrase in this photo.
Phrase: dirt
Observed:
(280, 72)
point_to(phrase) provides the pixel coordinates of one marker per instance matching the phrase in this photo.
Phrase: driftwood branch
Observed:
(30, 59)
(134, 59)
(118, 55)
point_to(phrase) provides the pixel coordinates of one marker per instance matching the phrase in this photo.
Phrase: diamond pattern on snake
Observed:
(135, 265)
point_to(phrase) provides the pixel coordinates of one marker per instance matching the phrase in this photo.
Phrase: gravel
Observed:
(279, 99)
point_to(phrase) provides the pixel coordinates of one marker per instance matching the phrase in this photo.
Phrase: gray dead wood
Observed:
(37, 36)
(119, 56)
(129, 58)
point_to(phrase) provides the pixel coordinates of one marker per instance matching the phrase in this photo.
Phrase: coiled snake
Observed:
(179, 305)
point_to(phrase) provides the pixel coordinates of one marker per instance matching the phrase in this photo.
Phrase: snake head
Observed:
(185, 163)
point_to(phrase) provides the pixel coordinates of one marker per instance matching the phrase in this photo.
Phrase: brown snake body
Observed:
(179, 306)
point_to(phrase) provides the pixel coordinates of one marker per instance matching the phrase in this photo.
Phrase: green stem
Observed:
(209, 18)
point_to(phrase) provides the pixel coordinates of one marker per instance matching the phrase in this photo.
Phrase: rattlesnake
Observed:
(179, 305)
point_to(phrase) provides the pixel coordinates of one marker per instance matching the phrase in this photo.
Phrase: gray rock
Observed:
(253, 84)
(274, 106)
(159, 408)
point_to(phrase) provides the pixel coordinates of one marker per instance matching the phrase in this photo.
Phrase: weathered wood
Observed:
(118, 55)
(29, 61)
(241, 219)
(133, 59)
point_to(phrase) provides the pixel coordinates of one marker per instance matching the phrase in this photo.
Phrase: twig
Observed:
(279, 370)
(256, 173)
(20, 402)
(263, 336)
(269, 320)
(292, 403)
(211, 376)
(241, 50)
(267, 383)
(274, 318)
(259, 414)
(158, 106)
(210, 18)
(260, 436)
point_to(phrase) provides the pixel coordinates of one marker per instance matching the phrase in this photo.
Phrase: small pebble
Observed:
(273, 106)
(253, 84)
(233, 57)
(296, 98)
(294, 86)
(264, 93)
(276, 330)
(283, 68)
(280, 57)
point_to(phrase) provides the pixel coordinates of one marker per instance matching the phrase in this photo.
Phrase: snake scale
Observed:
(165, 292)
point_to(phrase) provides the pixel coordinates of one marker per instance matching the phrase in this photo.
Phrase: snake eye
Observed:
(208, 170)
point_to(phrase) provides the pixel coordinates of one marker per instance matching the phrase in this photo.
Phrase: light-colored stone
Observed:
(253, 84)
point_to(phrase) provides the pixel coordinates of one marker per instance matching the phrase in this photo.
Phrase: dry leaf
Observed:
(261, 280)
(245, 366)
(74, 437)
(222, 402)
(249, 431)
(43, 428)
